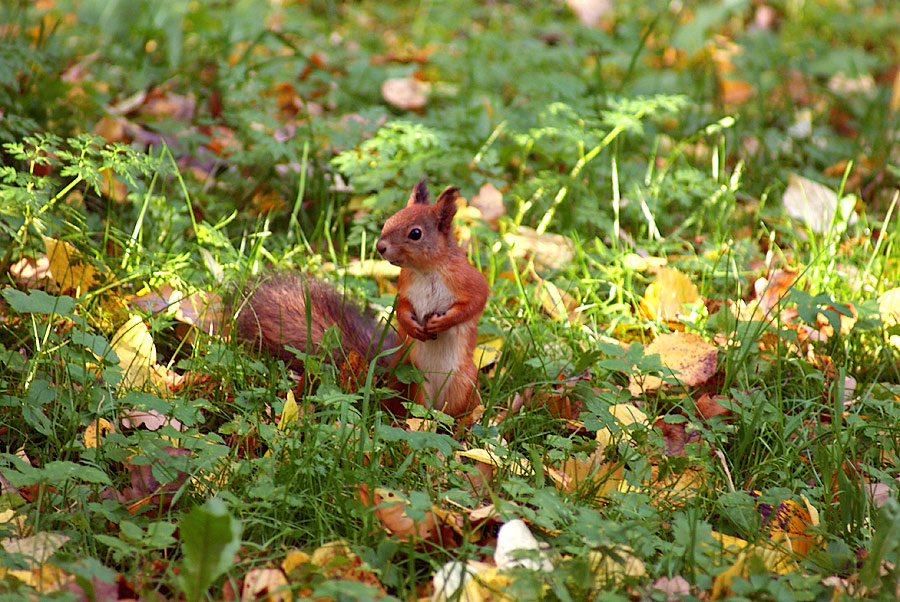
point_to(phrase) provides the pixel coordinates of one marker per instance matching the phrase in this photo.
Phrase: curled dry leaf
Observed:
(390, 509)
(675, 587)
(559, 304)
(769, 291)
(489, 201)
(405, 93)
(517, 547)
(688, 357)
(268, 584)
(670, 296)
(448, 582)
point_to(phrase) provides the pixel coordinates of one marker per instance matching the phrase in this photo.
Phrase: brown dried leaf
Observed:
(769, 291)
(405, 93)
(391, 511)
(267, 584)
(690, 359)
(30, 272)
(550, 250)
(489, 201)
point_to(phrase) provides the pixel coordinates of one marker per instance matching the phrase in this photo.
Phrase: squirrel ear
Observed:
(446, 207)
(419, 195)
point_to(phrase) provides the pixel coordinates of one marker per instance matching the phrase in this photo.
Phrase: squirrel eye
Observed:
(415, 234)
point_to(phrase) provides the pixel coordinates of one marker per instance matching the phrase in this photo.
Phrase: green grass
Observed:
(618, 137)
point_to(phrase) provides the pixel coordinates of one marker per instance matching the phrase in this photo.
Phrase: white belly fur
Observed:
(428, 295)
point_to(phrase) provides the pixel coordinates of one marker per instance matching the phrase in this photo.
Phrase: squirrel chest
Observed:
(429, 295)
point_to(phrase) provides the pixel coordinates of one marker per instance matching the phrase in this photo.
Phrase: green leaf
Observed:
(210, 537)
(38, 302)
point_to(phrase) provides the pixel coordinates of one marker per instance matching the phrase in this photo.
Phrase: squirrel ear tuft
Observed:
(446, 207)
(419, 195)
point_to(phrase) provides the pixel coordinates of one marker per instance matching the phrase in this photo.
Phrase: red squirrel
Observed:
(441, 297)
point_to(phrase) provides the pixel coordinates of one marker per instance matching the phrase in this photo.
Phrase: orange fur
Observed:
(440, 300)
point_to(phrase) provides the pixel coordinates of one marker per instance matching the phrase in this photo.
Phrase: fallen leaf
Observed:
(549, 250)
(137, 353)
(771, 290)
(70, 270)
(267, 584)
(690, 359)
(489, 201)
(405, 93)
(30, 272)
(517, 547)
(625, 415)
(559, 304)
(486, 353)
(614, 565)
(735, 92)
(708, 406)
(671, 296)
(889, 309)
(633, 261)
(816, 204)
(95, 431)
(590, 12)
(36, 549)
(675, 587)
(390, 509)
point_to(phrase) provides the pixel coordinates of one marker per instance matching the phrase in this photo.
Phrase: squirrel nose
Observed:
(381, 246)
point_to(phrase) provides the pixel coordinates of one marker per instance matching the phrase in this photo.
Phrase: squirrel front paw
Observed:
(435, 324)
(414, 329)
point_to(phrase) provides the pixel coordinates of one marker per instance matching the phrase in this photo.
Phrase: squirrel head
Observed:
(420, 235)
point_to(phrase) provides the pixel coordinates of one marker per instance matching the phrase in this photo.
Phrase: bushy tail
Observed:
(273, 313)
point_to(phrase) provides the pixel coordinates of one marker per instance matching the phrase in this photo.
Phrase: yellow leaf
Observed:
(375, 268)
(137, 353)
(486, 353)
(889, 308)
(625, 414)
(293, 560)
(670, 296)
(289, 413)
(95, 431)
(633, 261)
(486, 457)
(615, 565)
(69, 269)
(685, 356)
